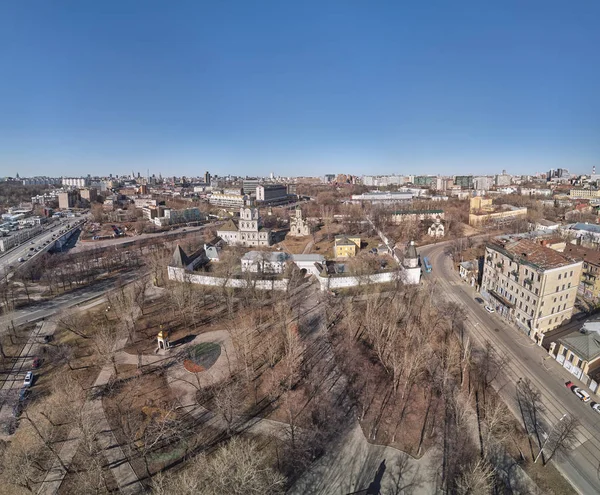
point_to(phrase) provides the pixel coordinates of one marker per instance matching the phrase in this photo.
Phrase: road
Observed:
(169, 235)
(581, 468)
(11, 258)
(37, 311)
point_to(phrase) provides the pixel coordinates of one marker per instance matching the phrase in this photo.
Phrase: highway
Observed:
(527, 360)
(11, 258)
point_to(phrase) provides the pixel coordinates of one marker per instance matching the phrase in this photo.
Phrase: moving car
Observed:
(580, 393)
(24, 394)
(28, 379)
(21, 259)
(489, 309)
(37, 362)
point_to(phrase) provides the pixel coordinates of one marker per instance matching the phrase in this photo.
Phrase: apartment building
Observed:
(346, 246)
(530, 284)
(585, 193)
(67, 199)
(589, 284)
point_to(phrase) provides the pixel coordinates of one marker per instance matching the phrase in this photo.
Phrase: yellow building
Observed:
(585, 193)
(479, 203)
(345, 246)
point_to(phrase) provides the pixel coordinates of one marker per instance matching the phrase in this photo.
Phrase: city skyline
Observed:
(298, 89)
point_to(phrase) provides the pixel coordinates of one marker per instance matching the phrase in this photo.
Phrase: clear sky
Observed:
(298, 87)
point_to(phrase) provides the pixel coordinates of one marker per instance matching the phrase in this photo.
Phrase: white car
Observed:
(28, 379)
(489, 309)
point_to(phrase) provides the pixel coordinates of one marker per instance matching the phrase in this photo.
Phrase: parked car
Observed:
(21, 259)
(479, 300)
(37, 362)
(580, 393)
(47, 339)
(595, 407)
(28, 379)
(489, 309)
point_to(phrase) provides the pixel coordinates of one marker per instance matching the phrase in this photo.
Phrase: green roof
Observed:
(586, 342)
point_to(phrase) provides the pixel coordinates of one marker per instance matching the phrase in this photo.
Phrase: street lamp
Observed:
(548, 437)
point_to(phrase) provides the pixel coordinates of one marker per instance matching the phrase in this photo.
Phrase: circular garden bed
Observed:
(201, 357)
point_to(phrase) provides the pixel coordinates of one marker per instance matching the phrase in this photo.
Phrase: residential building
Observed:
(589, 284)
(546, 225)
(400, 216)
(67, 199)
(249, 231)
(75, 181)
(10, 239)
(88, 194)
(383, 197)
(464, 181)
(184, 215)
(207, 178)
(42, 181)
(587, 193)
(586, 233)
(530, 284)
(579, 352)
(298, 226)
(346, 246)
(503, 179)
(483, 183)
(469, 272)
(424, 180)
(228, 200)
(271, 194)
(152, 211)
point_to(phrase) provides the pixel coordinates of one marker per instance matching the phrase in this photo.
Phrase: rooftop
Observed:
(585, 342)
(530, 252)
(417, 212)
(265, 256)
(581, 253)
(589, 227)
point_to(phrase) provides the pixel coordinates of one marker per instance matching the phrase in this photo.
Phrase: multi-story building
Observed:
(271, 194)
(75, 181)
(483, 183)
(464, 181)
(586, 193)
(383, 197)
(589, 284)
(482, 211)
(503, 179)
(530, 284)
(67, 199)
(89, 194)
(424, 180)
(249, 231)
(182, 216)
(579, 352)
(249, 185)
(346, 246)
(10, 239)
(207, 178)
(42, 181)
(228, 200)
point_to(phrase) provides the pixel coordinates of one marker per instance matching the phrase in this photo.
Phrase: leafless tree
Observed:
(562, 438)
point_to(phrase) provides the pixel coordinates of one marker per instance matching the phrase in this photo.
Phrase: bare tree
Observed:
(476, 479)
(561, 439)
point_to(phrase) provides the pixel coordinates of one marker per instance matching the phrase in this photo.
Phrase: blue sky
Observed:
(298, 88)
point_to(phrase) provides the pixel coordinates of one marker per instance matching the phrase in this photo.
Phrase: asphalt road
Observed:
(11, 258)
(582, 467)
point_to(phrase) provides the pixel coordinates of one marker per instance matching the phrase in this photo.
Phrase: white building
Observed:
(436, 229)
(298, 226)
(75, 181)
(264, 262)
(483, 183)
(410, 263)
(249, 232)
(228, 200)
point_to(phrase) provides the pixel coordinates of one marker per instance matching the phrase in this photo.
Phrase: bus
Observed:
(426, 264)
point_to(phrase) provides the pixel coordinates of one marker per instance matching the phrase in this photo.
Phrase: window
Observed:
(532, 312)
(571, 273)
(571, 357)
(559, 276)
(555, 299)
(569, 286)
(552, 310)
(563, 287)
(536, 291)
(564, 351)
(539, 277)
(557, 288)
